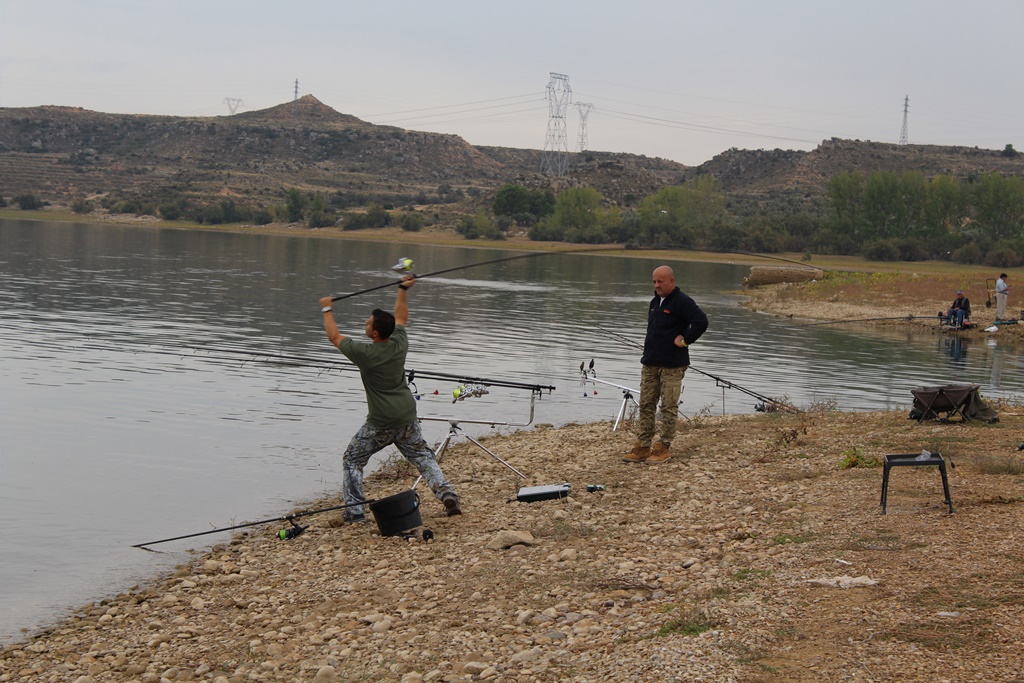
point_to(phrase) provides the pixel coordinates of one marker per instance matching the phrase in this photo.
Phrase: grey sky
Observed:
(681, 80)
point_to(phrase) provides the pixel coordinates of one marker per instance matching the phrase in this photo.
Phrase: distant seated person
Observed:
(960, 310)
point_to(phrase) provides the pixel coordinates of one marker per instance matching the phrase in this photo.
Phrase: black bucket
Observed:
(398, 513)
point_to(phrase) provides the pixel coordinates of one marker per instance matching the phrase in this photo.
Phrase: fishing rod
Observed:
(307, 361)
(908, 318)
(721, 382)
(292, 532)
(406, 264)
(319, 363)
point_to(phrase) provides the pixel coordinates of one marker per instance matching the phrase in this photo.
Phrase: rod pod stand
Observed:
(454, 430)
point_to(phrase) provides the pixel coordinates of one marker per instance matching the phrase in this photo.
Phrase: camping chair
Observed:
(990, 287)
(951, 399)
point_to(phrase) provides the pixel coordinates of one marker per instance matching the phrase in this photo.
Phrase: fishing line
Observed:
(724, 383)
(534, 254)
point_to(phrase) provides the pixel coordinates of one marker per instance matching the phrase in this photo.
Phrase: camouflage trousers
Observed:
(664, 385)
(409, 441)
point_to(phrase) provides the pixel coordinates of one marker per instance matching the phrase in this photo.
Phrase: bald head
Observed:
(664, 281)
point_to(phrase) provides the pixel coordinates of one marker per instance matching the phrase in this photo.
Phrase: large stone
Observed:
(508, 538)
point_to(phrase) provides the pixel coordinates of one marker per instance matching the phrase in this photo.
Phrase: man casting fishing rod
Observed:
(674, 321)
(391, 418)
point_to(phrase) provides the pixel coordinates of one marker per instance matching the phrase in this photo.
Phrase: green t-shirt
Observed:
(382, 369)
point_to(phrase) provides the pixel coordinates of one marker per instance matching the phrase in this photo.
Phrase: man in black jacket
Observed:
(674, 321)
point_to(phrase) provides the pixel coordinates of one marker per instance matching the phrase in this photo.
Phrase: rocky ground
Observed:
(752, 555)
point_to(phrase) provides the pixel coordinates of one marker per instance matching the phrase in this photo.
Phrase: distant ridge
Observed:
(60, 153)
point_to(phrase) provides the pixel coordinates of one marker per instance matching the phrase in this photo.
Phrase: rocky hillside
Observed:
(60, 153)
(761, 172)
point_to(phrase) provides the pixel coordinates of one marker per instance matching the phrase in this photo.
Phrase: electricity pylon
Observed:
(555, 158)
(906, 108)
(584, 109)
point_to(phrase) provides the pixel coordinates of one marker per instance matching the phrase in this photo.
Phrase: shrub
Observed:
(262, 216)
(28, 202)
(319, 218)
(881, 250)
(969, 254)
(411, 222)
(80, 205)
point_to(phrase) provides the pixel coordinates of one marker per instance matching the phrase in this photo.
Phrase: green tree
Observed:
(845, 193)
(578, 207)
(999, 206)
(295, 203)
(684, 216)
(944, 206)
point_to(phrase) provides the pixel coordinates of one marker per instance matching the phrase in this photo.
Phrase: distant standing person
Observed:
(392, 409)
(674, 321)
(1002, 294)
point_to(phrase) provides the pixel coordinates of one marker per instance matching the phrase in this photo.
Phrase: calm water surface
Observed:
(113, 431)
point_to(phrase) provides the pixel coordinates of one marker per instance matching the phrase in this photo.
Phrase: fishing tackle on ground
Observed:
(287, 533)
(294, 531)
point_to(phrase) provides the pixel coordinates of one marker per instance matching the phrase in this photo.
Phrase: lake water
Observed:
(113, 431)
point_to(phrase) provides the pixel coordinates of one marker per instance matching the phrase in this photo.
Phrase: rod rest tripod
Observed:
(455, 430)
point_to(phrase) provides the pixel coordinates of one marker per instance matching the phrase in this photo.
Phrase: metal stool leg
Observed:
(885, 483)
(945, 486)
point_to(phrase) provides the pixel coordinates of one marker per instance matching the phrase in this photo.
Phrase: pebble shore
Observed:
(750, 556)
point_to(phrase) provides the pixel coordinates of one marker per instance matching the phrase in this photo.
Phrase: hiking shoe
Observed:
(659, 453)
(638, 454)
(451, 504)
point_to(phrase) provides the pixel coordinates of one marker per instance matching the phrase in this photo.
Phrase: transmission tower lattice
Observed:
(906, 108)
(555, 158)
(233, 104)
(296, 90)
(584, 109)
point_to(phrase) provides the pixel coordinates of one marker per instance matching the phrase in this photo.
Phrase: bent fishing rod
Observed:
(724, 383)
(292, 532)
(339, 297)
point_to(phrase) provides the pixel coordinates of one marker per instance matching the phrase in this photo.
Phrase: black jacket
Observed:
(678, 314)
(964, 303)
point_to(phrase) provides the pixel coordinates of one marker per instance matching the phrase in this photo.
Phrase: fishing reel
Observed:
(464, 391)
(292, 532)
(404, 265)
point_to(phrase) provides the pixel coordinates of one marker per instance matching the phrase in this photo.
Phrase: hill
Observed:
(63, 152)
(60, 153)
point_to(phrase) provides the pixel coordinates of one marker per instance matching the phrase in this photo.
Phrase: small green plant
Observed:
(745, 574)
(691, 622)
(855, 457)
(783, 539)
